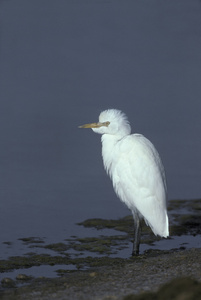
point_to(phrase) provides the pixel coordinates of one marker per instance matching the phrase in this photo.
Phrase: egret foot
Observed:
(135, 253)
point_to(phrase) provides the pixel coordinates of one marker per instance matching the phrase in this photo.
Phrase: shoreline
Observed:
(141, 274)
(99, 277)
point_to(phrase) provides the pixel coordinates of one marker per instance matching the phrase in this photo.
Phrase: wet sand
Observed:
(145, 273)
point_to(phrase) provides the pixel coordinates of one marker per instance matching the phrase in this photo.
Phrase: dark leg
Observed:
(137, 234)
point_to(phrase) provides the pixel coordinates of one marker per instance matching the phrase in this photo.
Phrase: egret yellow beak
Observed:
(95, 125)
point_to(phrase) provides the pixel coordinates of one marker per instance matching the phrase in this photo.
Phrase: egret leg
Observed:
(137, 234)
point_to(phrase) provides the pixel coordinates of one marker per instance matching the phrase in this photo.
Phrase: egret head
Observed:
(111, 121)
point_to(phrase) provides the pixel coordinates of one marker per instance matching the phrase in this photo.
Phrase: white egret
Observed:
(136, 171)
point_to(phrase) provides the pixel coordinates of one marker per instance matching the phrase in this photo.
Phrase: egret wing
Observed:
(139, 180)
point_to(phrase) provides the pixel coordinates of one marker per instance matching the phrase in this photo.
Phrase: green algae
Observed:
(123, 224)
(176, 204)
(20, 262)
(7, 243)
(58, 247)
(189, 205)
(102, 245)
(31, 240)
(94, 262)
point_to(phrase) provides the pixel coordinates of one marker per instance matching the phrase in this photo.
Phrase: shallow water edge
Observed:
(95, 267)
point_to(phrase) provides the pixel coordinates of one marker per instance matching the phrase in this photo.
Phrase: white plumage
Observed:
(136, 171)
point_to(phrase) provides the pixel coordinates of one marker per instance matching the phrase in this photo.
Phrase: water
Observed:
(63, 62)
